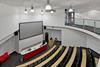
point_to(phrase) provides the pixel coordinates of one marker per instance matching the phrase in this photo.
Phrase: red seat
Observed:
(33, 53)
(4, 57)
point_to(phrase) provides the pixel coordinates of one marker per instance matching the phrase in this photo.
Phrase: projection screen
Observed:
(30, 29)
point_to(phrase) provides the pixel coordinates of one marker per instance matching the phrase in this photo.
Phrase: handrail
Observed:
(6, 38)
(74, 28)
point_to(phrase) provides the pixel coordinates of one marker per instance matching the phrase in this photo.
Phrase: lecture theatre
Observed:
(49, 33)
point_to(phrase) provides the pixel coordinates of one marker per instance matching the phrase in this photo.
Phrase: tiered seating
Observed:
(38, 58)
(34, 53)
(44, 58)
(84, 60)
(4, 57)
(63, 56)
(66, 58)
(55, 58)
(78, 58)
(51, 57)
(70, 62)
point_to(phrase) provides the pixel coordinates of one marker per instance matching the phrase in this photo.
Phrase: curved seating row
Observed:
(84, 56)
(51, 57)
(55, 58)
(78, 58)
(70, 62)
(61, 57)
(44, 58)
(38, 58)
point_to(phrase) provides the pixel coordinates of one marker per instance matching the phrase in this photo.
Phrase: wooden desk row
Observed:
(51, 57)
(38, 58)
(84, 56)
(68, 64)
(61, 58)
(71, 60)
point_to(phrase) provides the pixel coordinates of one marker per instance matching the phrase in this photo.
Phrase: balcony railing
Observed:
(87, 24)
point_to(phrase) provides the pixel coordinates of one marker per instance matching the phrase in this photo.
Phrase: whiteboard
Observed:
(30, 29)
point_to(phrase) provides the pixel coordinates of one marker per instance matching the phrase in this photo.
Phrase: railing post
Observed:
(83, 23)
(94, 26)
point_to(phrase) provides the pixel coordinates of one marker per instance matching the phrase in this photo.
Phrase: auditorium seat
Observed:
(4, 57)
(60, 58)
(78, 58)
(84, 58)
(66, 58)
(34, 53)
(38, 58)
(72, 58)
(50, 58)
(63, 56)
(55, 58)
(44, 58)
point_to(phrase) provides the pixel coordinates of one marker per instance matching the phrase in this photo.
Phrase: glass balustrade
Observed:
(87, 24)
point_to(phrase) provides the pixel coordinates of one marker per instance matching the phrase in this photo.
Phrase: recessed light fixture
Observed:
(70, 10)
(52, 11)
(42, 12)
(32, 9)
(48, 7)
(25, 11)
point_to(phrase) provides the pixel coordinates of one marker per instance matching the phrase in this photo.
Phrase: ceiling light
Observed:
(42, 12)
(70, 10)
(52, 11)
(32, 9)
(25, 11)
(48, 7)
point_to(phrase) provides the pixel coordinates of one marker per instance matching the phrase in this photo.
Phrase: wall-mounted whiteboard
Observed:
(30, 29)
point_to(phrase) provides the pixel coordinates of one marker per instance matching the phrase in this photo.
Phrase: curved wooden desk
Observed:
(70, 62)
(51, 57)
(61, 58)
(83, 62)
(38, 58)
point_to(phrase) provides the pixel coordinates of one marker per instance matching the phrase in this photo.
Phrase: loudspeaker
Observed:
(16, 33)
(44, 27)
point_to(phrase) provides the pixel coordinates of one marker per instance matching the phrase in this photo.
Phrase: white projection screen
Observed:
(30, 29)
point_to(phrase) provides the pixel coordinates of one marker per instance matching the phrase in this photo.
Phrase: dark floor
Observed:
(12, 61)
(15, 59)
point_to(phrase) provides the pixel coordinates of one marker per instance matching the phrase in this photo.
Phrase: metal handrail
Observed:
(6, 38)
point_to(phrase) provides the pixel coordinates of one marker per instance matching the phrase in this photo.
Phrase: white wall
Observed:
(8, 25)
(73, 38)
(93, 43)
(8, 46)
(54, 34)
(8, 20)
(56, 19)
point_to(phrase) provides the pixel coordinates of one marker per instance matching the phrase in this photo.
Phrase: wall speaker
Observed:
(16, 33)
(44, 27)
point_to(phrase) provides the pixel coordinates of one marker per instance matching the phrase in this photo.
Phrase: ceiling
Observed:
(79, 5)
